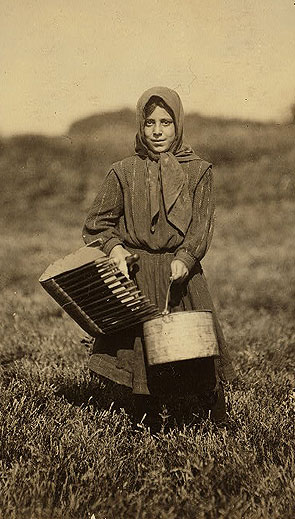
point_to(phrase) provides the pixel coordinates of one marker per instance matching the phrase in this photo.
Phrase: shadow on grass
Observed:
(156, 412)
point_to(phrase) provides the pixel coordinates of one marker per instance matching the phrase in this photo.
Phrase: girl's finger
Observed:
(125, 270)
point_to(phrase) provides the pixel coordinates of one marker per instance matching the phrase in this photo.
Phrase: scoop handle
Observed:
(132, 259)
(130, 262)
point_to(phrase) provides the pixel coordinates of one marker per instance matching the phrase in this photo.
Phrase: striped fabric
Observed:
(121, 215)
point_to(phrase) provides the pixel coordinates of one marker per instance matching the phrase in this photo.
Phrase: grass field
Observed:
(68, 447)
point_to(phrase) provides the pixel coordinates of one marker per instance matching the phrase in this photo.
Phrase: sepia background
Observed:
(71, 73)
(63, 60)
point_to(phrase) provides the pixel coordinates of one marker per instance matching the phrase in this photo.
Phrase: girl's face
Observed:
(159, 130)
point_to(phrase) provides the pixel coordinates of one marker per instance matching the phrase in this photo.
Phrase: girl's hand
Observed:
(179, 271)
(119, 255)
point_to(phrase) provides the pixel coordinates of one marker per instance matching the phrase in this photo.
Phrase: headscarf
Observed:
(164, 169)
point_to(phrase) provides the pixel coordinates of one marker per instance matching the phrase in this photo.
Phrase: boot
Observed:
(218, 408)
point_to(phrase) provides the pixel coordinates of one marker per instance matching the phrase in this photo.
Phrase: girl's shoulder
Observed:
(128, 163)
(196, 169)
(126, 167)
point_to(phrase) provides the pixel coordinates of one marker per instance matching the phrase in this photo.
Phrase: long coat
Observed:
(121, 214)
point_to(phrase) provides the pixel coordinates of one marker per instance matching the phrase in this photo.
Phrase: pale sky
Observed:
(66, 59)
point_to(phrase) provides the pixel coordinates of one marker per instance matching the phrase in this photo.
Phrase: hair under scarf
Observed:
(165, 171)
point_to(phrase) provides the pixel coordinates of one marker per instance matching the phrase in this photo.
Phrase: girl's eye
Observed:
(164, 122)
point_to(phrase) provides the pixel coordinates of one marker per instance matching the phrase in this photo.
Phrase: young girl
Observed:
(159, 204)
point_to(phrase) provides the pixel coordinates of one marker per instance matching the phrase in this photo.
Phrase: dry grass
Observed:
(67, 451)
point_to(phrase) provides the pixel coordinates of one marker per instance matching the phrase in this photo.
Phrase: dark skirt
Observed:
(121, 357)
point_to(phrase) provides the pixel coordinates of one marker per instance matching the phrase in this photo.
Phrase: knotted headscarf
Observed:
(164, 169)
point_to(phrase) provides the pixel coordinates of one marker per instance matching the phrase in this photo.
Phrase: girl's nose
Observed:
(157, 129)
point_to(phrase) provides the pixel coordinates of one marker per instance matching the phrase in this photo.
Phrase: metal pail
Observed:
(180, 336)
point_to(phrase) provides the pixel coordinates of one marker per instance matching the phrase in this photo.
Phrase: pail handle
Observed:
(166, 311)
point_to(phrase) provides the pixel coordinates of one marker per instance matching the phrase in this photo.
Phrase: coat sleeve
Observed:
(102, 221)
(199, 234)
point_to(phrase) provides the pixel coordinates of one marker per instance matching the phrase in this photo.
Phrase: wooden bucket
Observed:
(180, 336)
